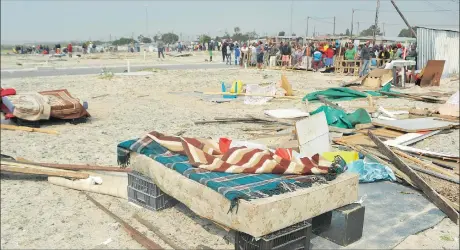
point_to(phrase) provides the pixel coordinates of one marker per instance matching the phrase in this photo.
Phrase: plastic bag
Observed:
(371, 171)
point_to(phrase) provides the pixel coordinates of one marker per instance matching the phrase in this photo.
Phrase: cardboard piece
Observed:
(286, 85)
(313, 135)
(286, 113)
(377, 78)
(255, 217)
(432, 73)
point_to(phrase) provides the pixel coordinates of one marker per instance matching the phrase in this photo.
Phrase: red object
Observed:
(224, 144)
(398, 45)
(5, 110)
(7, 92)
(329, 52)
(285, 153)
(69, 48)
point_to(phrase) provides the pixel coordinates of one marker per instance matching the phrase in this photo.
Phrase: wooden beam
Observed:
(76, 167)
(24, 168)
(437, 199)
(27, 129)
(136, 235)
(157, 232)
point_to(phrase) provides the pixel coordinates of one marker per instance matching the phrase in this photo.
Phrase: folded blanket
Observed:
(63, 105)
(30, 106)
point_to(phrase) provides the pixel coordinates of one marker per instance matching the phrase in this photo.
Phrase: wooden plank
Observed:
(414, 125)
(432, 73)
(421, 163)
(434, 174)
(136, 235)
(313, 135)
(437, 199)
(27, 129)
(25, 168)
(78, 167)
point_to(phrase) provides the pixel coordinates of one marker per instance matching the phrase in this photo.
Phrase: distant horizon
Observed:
(44, 21)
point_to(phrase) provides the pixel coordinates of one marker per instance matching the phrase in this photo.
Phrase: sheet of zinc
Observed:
(433, 44)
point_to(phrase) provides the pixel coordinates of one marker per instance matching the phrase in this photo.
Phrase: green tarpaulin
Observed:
(343, 94)
(339, 118)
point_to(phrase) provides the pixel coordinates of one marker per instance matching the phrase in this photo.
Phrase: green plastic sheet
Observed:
(343, 94)
(340, 119)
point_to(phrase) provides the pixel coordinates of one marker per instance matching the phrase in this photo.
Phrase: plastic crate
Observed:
(145, 193)
(295, 237)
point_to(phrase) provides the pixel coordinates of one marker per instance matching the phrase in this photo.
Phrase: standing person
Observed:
(350, 54)
(329, 57)
(317, 57)
(244, 55)
(69, 49)
(228, 55)
(260, 55)
(161, 48)
(224, 51)
(210, 51)
(237, 54)
(285, 54)
(365, 57)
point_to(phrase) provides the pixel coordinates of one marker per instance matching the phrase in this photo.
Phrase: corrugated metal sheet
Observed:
(434, 44)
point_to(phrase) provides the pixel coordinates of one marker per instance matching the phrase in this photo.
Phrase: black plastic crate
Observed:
(144, 184)
(145, 193)
(295, 237)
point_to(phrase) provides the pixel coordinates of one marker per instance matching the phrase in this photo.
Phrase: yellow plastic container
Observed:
(348, 156)
(237, 87)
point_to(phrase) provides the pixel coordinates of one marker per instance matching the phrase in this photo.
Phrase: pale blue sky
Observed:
(35, 20)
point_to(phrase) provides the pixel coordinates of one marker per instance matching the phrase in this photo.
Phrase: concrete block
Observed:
(342, 226)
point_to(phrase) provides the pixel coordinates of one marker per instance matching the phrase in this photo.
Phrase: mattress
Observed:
(256, 217)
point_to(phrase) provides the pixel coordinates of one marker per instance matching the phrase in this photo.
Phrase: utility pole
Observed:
(307, 26)
(352, 14)
(110, 37)
(146, 21)
(333, 32)
(404, 19)
(314, 31)
(292, 9)
(376, 20)
(357, 33)
(383, 27)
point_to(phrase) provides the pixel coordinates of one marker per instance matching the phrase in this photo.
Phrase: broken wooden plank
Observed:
(28, 129)
(437, 175)
(25, 168)
(421, 163)
(437, 199)
(415, 125)
(136, 235)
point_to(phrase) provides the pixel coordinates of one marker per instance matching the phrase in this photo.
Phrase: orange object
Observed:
(285, 153)
(224, 145)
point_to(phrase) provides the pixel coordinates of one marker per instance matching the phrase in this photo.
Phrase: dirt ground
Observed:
(37, 214)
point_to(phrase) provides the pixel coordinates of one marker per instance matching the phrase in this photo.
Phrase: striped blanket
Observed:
(63, 105)
(218, 171)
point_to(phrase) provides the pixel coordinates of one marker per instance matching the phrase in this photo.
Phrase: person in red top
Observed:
(69, 49)
(329, 57)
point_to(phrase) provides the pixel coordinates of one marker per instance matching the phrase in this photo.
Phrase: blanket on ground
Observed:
(30, 106)
(208, 154)
(63, 105)
(343, 94)
(232, 185)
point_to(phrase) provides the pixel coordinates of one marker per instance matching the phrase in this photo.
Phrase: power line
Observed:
(443, 10)
(401, 24)
(440, 8)
(321, 20)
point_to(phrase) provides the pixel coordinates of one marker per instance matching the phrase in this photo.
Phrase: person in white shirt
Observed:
(229, 55)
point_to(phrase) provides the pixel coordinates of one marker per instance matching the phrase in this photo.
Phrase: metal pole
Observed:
(308, 18)
(358, 29)
(352, 14)
(314, 31)
(333, 32)
(404, 19)
(383, 26)
(376, 20)
(292, 9)
(146, 21)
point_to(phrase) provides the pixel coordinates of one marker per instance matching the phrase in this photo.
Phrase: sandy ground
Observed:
(36, 214)
(15, 61)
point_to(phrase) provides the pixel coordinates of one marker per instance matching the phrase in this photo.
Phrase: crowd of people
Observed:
(314, 55)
